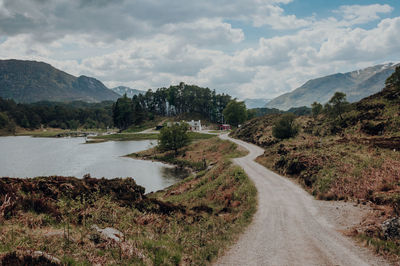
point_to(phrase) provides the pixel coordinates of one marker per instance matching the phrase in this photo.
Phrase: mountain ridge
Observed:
(356, 84)
(255, 102)
(28, 81)
(121, 90)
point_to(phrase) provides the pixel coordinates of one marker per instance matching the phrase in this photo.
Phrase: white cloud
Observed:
(149, 44)
(357, 14)
(274, 16)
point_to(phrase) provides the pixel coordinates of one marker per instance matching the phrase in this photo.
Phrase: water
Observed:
(31, 157)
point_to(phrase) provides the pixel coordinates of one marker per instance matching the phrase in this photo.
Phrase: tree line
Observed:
(172, 101)
(54, 114)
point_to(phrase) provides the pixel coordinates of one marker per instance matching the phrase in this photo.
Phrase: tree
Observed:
(338, 105)
(316, 109)
(4, 120)
(285, 127)
(123, 112)
(394, 79)
(235, 112)
(251, 113)
(173, 137)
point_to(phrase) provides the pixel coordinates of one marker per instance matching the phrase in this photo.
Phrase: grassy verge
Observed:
(140, 136)
(50, 132)
(125, 137)
(389, 248)
(190, 222)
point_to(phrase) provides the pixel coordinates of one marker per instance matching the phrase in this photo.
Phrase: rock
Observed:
(106, 234)
(58, 234)
(26, 257)
(391, 228)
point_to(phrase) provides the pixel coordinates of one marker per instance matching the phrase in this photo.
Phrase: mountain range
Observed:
(255, 103)
(356, 85)
(121, 90)
(31, 81)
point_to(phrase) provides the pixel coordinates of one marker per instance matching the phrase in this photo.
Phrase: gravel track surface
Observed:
(290, 227)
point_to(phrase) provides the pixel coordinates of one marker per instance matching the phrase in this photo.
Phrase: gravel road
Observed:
(290, 227)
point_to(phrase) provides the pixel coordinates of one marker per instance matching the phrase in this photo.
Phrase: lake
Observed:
(31, 157)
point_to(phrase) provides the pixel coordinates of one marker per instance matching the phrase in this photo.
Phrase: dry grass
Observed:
(188, 223)
(356, 159)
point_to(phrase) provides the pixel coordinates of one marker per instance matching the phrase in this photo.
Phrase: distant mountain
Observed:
(31, 81)
(121, 90)
(255, 103)
(357, 85)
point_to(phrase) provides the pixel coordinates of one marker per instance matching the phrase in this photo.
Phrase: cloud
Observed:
(123, 19)
(357, 14)
(150, 44)
(274, 16)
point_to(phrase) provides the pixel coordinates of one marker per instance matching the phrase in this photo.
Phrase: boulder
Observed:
(106, 234)
(27, 257)
(391, 228)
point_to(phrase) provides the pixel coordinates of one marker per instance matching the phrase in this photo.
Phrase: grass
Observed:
(191, 222)
(219, 131)
(355, 159)
(145, 125)
(125, 137)
(198, 135)
(387, 248)
(50, 132)
(140, 136)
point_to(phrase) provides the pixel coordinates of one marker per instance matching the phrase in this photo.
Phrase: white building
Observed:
(194, 125)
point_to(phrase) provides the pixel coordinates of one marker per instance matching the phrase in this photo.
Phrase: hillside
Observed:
(354, 158)
(31, 81)
(357, 85)
(255, 103)
(121, 90)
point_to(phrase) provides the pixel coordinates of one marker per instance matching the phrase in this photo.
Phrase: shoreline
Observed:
(191, 222)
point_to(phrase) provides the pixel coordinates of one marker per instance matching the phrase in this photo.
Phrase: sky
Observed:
(247, 48)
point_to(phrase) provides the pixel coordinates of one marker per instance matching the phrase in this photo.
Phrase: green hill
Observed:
(31, 81)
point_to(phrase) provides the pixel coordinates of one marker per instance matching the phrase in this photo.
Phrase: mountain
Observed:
(121, 90)
(357, 85)
(31, 81)
(255, 103)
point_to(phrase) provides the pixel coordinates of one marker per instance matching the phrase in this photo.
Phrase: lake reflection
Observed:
(30, 157)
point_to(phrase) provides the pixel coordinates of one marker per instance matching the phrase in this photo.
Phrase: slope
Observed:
(357, 85)
(31, 81)
(121, 90)
(353, 158)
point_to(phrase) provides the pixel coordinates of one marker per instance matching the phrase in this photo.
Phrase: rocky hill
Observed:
(357, 85)
(31, 81)
(121, 90)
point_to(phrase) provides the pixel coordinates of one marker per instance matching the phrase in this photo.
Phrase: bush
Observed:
(285, 127)
(173, 137)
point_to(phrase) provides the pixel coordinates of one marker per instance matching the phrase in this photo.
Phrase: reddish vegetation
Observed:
(355, 157)
(378, 185)
(183, 224)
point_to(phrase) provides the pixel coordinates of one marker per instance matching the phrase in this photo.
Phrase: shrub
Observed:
(316, 109)
(173, 137)
(285, 127)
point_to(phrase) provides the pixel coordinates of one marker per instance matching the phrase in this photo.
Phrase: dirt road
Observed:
(289, 227)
